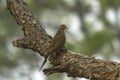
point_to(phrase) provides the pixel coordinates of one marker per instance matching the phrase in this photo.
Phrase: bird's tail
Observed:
(43, 63)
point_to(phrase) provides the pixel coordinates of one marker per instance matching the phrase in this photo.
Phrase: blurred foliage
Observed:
(6, 62)
(109, 4)
(94, 41)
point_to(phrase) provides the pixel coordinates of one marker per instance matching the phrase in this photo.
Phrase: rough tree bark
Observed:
(38, 40)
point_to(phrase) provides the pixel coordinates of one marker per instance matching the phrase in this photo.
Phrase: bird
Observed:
(56, 43)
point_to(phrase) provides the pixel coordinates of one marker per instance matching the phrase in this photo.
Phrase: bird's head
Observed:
(63, 26)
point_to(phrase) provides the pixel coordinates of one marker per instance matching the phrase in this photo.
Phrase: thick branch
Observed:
(74, 65)
(35, 36)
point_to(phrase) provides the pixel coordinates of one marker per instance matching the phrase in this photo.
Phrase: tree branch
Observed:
(74, 65)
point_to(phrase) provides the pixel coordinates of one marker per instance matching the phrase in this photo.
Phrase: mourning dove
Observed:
(56, 43)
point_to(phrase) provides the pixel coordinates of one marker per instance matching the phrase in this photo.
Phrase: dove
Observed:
(56, 43)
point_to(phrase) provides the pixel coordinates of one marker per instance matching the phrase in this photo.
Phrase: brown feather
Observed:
(56, 43)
